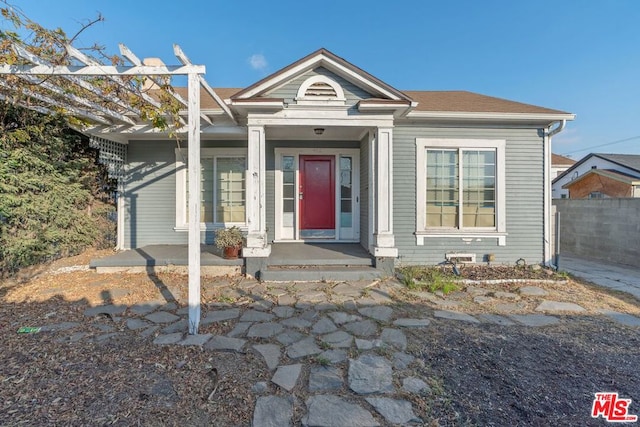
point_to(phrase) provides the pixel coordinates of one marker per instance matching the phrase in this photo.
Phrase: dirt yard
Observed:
(482, 375)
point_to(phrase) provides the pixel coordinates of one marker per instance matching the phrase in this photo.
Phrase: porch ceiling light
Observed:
(318, 131)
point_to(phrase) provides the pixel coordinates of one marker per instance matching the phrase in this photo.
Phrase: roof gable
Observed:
(289, 90)
(322, 58)
(607, 173)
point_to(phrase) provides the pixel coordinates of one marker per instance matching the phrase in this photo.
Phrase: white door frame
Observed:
(354, 153)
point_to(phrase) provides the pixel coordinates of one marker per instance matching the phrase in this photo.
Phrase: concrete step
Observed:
(339, 260)
(319, 273)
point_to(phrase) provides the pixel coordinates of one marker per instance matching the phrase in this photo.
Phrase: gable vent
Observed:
(321, 89)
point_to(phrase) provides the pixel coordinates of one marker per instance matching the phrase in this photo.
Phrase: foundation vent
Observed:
(457, 258)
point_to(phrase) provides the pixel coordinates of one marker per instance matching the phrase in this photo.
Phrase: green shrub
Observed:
(53, 201)
(432, 279)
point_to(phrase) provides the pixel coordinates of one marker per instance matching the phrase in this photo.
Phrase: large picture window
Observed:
(460, 187)
(222, 187)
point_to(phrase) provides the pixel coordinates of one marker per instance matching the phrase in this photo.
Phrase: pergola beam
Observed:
(90, 62)
(24, 54)
(124, 51)
(101, 70)
(38, 108)
(79, 100)
(51, 101)
(185, 61)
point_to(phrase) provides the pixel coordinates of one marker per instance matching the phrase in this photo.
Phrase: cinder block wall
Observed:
(604, 229)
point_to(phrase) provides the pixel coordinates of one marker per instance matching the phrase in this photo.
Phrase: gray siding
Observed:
(271, 164)
(150, 193)
(524, 194)
(288, 91)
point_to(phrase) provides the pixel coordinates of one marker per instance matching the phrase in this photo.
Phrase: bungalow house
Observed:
(600, 175)
(322, 152)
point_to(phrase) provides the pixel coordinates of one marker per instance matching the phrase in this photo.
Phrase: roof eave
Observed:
(397, 108)
(515, 117)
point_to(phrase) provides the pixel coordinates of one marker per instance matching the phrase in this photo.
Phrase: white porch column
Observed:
(384, 242)
(194, 202)
(121, 206)
(257, 245)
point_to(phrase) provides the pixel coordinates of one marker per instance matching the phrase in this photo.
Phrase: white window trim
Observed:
(466, 234)
(354, 153)
(182, 223)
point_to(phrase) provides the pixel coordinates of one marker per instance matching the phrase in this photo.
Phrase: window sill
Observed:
(209, 226)
(466, 236)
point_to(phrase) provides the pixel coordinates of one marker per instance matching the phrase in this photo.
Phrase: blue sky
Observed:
(579, 56)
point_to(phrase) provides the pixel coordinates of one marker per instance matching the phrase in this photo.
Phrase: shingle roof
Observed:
(631, 161)
(206, 101)
(470, 102)
(428, 101)
(557, 159)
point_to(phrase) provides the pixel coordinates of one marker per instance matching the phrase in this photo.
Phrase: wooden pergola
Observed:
(47, 91)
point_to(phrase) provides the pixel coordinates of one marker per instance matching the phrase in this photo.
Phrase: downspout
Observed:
(548, 133)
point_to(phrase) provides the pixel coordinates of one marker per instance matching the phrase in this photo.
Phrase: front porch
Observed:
(287, 262)
(160, 258)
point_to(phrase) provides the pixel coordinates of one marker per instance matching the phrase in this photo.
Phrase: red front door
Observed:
(317, 192)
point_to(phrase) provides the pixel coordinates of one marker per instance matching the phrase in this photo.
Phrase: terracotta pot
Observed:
(231, 252)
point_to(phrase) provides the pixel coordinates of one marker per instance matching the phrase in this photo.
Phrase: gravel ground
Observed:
(484, 375)
(518, 376)
(480, 375)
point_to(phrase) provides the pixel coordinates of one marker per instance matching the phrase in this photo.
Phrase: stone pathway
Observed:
(335, 353)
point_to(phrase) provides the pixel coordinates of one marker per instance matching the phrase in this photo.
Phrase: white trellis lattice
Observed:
(111, 154)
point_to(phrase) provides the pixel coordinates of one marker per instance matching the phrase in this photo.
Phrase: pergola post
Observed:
(194, 201)
(93, 111)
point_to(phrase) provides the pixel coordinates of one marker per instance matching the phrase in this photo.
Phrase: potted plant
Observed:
(230, 241)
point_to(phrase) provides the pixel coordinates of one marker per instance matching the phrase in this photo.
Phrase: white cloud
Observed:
(258, 61)
(568, 138)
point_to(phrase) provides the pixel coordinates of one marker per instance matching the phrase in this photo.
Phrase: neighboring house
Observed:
(600, 175)
(322, 151)
(559, 164)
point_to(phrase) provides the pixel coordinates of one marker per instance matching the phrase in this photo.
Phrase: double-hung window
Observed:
(222, 187)
(460, 188)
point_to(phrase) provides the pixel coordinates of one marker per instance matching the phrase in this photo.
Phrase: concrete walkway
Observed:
(615, 276)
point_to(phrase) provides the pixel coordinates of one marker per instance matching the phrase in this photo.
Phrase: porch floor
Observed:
(163, 255)
(318, 254)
